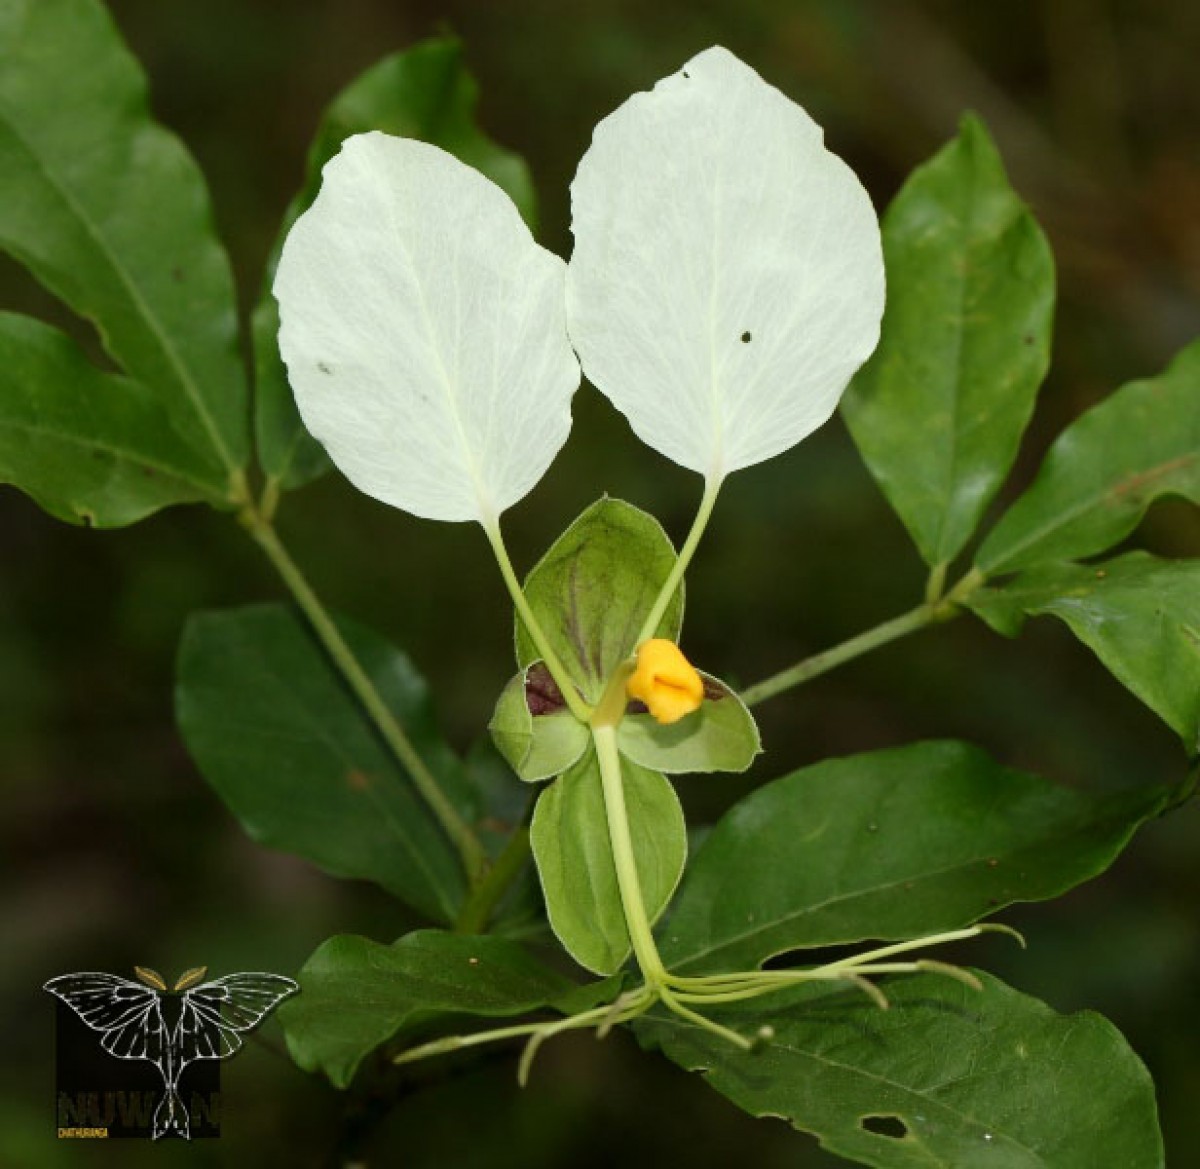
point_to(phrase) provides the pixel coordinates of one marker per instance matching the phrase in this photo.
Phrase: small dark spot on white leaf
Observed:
(885, 1126)
(746, 338)
(324, 368)
(687, 75)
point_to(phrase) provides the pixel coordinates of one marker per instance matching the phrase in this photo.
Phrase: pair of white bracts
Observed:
(726, 282)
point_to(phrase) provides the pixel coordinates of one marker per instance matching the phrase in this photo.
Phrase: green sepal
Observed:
(594, 588)
(538, 746)
(575, 863)
(721, 735)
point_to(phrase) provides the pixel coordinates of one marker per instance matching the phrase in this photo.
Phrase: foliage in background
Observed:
(172, 434)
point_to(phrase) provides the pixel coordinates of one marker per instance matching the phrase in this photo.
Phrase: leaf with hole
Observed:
(948, 1076)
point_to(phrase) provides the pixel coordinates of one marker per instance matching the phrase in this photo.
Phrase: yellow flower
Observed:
(665, 681)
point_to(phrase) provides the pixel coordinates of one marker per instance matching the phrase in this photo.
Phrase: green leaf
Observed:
(938, 411)
(720, 736)
(575, 860)
(593, 589)
(892, 844)
(108, 211)
(1105, 470)
(536, 746)
(949, 1076)
(356, 994)
(89, 447)
(1138, 614)
(272, 727)
(424, 92)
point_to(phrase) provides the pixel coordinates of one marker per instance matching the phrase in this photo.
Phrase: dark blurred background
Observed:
(118, 853)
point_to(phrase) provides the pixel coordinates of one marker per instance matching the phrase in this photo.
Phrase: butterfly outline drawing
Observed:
(213, 1017)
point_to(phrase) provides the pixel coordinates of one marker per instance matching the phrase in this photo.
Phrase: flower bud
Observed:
(665, 681)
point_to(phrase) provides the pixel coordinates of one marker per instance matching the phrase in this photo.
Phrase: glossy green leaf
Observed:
(947, 1077)
(1105, 470)
(536, 746)
(593, 589)
(424, 92)
(89, 447)
(1138, 614)
(108, 210)
(575, 861)
(356, 994)
(892, 844)
(272, 727)
(720, 736)
(938, 411)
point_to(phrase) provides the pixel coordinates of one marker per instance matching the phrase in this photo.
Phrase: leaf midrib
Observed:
(808, 910)
(125, 279)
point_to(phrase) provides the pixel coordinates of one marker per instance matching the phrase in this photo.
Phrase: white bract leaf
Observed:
(424, 332)
(727, 278)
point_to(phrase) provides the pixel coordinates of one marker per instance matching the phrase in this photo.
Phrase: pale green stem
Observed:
(932, 612)
(628, 882)
(820, 663)
(871, 956)
(670, 1000)
(470, 849)
(578, 707)
(707, 501)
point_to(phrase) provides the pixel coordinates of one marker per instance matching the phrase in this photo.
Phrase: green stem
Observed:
(479, 906)
(579, 708)
(707, 500)
(628, 882)
(933, 612)
(820, 663)
(470, 849)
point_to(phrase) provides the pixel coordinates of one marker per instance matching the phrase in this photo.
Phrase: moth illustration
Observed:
(171, 1026)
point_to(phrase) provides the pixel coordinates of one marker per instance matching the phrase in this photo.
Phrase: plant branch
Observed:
(481, 903)
(469, 847)
(932, 612)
